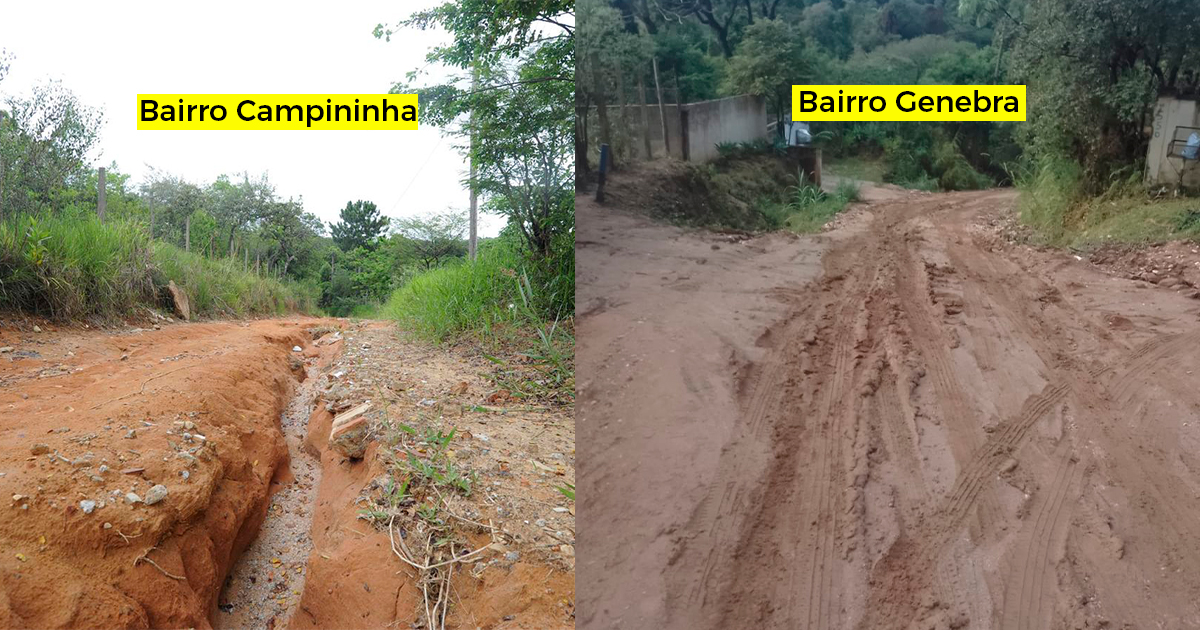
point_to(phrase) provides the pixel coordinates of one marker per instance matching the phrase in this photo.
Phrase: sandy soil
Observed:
(905, 422)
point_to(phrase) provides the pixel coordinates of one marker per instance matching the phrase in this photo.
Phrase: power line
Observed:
(417, 174)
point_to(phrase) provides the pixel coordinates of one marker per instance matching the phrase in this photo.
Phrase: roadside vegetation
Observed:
(506, 104)
(1056, 203)
(71, 267)
(509, 109)
(239, 248)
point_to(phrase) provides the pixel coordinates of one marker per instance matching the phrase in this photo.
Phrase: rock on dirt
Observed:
(351, 432)
(156, 494)
(179, 301)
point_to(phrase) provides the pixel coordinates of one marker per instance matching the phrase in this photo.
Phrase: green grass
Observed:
(495, 302)
(461, 297)
(1054, 204)
(809, 208)
(68, 266)
(861, 168)
(1135, 220)
(219, 287)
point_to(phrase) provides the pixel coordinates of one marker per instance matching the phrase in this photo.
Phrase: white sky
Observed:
(108, 53)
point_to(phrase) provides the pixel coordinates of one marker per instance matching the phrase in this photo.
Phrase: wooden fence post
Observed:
(662, 112)
(605, 158)
(641, 86)
(100, 201)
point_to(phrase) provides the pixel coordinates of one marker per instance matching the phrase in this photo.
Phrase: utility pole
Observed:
(100, 201)
(472, 241)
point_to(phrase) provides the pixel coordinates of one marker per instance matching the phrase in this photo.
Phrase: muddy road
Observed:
(904, 422)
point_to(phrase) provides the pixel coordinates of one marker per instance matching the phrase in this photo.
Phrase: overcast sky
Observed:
(109, 53)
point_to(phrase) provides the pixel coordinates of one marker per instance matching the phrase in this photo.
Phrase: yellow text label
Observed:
(908, 102)
(277, 111)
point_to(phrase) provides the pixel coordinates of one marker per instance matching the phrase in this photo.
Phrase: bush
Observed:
(459, 297)
(810, 208)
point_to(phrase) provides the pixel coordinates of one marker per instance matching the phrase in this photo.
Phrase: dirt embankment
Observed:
(144, 466)
(936, 429)
(94, 419)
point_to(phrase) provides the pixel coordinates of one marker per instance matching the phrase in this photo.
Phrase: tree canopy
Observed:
(360, 226)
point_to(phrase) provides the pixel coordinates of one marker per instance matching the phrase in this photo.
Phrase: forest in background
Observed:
(1094, 70)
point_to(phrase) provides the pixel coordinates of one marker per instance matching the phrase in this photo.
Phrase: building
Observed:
(1173, 158)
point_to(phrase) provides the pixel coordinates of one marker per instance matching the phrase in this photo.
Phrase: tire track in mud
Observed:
(822, 561)
(1025, 609)
(917, 553)
(718, 518)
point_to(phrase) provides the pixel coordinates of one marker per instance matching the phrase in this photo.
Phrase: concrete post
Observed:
(472, 240)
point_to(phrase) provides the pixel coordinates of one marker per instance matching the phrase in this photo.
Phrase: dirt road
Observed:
(180, 476)
(932, 429)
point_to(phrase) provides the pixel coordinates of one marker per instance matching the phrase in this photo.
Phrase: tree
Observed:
(434, 237)
(832, 28)
(1094, 71)
(291, 233)
(520, 130)
(171, 199)
(608, 53)
(522, 147)
(239, 205)
(360, 225)
(44, 143)
(769, 60)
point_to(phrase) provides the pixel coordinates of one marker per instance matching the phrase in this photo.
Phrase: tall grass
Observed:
(1054, 202)
(220, 287)
(503, 299)
(458, 298)
(1049, 190)
(68, 266)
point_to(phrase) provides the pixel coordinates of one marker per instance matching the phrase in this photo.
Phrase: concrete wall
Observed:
(1162, 168)
(733, 119)
(693, 129)
(628, 136)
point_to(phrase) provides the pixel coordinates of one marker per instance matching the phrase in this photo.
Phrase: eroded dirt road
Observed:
(181, 476)
(929, 428)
